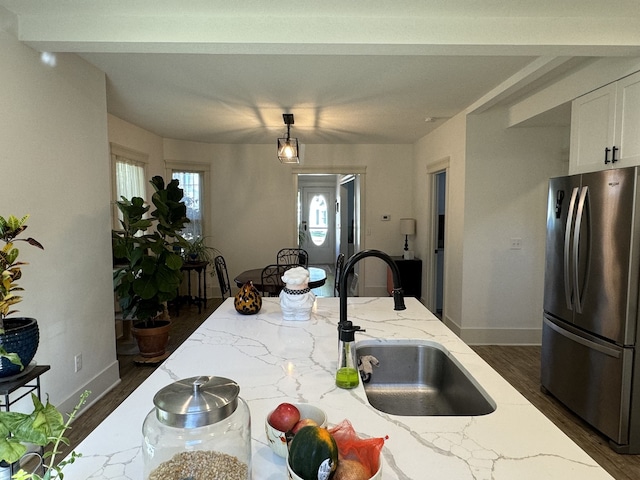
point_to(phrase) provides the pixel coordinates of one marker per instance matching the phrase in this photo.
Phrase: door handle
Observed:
(613, 154)
(606, 155)
(567, 248)
(581, 340)
(576, 242)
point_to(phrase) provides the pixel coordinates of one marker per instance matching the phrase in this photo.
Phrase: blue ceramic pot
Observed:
(21, 336)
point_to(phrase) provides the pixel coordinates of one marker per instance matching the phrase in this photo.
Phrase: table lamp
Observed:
(407, 227)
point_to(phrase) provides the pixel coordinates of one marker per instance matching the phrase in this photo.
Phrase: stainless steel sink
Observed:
(419, 378)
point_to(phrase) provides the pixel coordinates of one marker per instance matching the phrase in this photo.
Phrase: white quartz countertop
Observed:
(275, 361)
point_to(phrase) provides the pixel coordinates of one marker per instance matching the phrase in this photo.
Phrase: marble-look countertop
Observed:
(275, 361)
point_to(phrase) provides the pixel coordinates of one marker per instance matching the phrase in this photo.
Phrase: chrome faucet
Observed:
(398, 298)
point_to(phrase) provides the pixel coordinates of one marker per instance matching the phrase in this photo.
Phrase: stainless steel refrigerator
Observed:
(590, 324)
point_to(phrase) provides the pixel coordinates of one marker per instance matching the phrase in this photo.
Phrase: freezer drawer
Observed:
(590, 376)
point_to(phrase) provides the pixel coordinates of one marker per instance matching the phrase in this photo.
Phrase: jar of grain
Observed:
(199, 429)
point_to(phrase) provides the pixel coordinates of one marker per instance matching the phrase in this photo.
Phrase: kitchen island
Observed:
(275, 361)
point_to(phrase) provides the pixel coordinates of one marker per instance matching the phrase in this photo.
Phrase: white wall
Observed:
(54, 163)
(496, 190)
(445, 145)
(253, 198)
(507, 173)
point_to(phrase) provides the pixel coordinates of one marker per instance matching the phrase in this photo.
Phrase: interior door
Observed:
(318, 221)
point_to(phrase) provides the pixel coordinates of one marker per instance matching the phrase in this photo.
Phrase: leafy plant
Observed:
(10, 269)
(44, 426)
(151, 275)
(197, 249)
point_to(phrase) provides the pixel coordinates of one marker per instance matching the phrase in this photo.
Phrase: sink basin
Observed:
(420, 378)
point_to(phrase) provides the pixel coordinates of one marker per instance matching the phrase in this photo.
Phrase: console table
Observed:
(22, 382)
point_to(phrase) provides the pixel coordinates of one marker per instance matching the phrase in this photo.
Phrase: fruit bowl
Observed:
(278, 439)
(291, 475)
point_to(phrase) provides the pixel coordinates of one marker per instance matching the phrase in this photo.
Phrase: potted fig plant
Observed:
(44, 426)
(19, 337)
(148, 275)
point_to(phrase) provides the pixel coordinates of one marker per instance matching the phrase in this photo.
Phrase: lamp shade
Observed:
(408, 226)
(288, 150)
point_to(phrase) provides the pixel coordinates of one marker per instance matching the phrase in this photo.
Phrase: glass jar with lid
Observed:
(199, 429)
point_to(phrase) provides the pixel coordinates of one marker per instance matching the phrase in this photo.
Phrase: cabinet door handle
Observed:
(613, 154)
(606, 155)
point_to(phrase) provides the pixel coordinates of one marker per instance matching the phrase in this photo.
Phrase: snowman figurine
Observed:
(296, 298)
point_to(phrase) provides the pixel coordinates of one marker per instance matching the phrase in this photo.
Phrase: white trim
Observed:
(439, 165)
(330, 170)
(186, 166)
(129, 153)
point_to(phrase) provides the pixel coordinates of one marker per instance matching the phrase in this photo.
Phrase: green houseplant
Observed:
(197, 250)
(44, 426)
(150, 275)
(18, 336)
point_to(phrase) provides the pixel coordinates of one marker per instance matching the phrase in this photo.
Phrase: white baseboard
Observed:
(99, 386)
(496, 336)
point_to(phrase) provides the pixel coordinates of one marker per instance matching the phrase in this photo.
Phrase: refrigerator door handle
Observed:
(567, 248)
(576, 243)
(611, 352)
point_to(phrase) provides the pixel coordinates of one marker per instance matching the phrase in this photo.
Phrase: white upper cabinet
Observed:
(605, 127)
(628, 117)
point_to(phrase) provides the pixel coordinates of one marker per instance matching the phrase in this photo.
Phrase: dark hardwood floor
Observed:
(519, 365)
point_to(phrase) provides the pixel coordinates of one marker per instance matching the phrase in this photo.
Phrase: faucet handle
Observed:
(347, 331)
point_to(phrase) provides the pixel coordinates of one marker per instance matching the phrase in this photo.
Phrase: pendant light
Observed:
(288, 147)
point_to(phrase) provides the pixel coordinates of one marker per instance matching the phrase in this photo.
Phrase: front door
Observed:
(318, 224)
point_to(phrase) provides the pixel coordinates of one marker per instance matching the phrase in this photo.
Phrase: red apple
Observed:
(303, 423)
(284, 417)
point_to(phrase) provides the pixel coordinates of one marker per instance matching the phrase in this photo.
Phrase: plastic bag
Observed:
(350, 446)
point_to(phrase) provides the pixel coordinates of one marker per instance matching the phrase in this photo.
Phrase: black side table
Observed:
(22, 382)
(410, 276)
(201, 270)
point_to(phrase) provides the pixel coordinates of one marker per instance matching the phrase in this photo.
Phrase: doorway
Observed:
(439, 182)
(340, 232)
(317, 223)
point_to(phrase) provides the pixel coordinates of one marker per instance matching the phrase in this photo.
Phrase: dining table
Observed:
(317, 277)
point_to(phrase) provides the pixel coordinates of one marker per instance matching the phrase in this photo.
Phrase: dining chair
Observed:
(223, 276)
(271, 280)
(339, 267)
(293, 256)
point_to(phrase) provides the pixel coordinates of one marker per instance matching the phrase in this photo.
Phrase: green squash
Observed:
(313, 453)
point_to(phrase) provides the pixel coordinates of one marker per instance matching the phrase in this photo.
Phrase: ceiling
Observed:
(351, 72)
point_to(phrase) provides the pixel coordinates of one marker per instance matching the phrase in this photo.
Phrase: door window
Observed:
(318, 219)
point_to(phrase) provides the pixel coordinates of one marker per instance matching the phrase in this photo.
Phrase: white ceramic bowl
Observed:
(278, 440)
(291, 475)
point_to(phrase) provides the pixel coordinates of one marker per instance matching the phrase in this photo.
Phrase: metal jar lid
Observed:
(196, 401)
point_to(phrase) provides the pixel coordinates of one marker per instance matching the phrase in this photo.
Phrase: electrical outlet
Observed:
(516, 244)
(78, 362)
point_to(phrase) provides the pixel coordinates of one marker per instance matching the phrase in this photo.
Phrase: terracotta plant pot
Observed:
(21, 336)
(152, 340)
